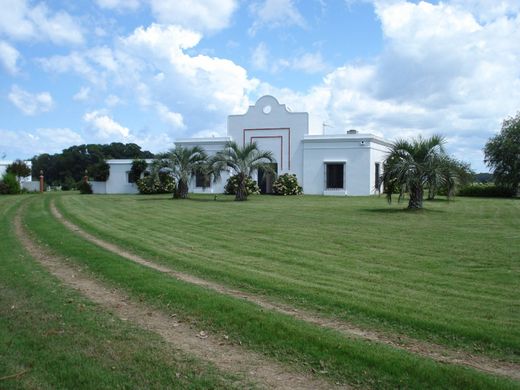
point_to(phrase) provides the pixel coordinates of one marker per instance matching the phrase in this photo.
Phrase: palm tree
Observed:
(244, 161)
(182, 163)
(412, 165)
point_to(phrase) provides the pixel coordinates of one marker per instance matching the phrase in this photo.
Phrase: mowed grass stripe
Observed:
(352, 290)
(273, 334)
(52, 338)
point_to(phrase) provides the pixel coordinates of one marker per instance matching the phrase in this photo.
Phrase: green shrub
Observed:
(9, 184)
(84, 187)
(138, 167)
(486, 190)
(287, 184)
(158, 183)
(100, 171)
(232, 186)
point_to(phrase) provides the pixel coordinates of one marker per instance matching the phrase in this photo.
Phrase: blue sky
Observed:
(152, 71)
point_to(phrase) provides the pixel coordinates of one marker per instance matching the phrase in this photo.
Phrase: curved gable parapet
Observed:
(267, 105)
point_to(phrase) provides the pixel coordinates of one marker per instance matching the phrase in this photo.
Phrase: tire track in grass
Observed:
(225, 356)
(433, 351)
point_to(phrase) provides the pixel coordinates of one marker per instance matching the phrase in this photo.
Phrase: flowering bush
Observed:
(232, 186)
(287, 184)
(156, 184)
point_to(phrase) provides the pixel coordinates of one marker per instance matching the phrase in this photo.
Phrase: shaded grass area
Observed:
(51, 337)
(449, 273)
(279, 336)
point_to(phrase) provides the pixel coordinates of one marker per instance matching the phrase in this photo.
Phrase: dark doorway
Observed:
(266, 179)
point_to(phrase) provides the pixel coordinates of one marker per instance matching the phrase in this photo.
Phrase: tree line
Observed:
(68, 167)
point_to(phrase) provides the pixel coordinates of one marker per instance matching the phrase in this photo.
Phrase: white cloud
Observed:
(274, 14)
(198, 15)
(63, 137)
(307, 62)
(29, 103)
(107, 128)
(9, 57)
(25, 144)
(112, 100)
(443, 70)
(260, 57)
(174, 119)
(19, 20)
(82, 95)
(118, 4)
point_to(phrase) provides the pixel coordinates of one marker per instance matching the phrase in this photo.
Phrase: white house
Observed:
(339, 164)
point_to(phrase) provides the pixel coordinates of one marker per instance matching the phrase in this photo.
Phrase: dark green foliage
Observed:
(486, 190)
(483, 177)
(138, 167)
(68, 185)
(9, 185)
(232, 184)
(19, 169)
(72, 162)
(287, 184)
(157, 183)
(84, 187)
(502, 154)
(99, 171)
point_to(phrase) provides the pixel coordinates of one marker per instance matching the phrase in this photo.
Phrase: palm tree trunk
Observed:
(241, 190)
(416, 198)
(181, 191)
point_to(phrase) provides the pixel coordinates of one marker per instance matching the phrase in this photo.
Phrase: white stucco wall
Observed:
(117, 182)
(359, 153)
(273, 127)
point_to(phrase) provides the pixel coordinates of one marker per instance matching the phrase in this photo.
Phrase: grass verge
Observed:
(278, 336)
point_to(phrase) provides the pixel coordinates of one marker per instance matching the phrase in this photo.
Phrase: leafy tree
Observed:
(409, 167)
(502, 154)
(19, 169)
(182, 163)
(243, 161)
(69, 165)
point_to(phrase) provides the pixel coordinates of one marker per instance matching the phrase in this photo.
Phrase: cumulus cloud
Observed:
(274, 14)
(262, 59)
(9, 57)
(199, 15)
(118, 4)
(30, 103)
(25, 144)
(443, 70)
(82, 95)
(21, 21)
(106, 128)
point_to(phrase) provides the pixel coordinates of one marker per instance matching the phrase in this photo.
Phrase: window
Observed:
(202, 180)
(335, 175)
(129, 177)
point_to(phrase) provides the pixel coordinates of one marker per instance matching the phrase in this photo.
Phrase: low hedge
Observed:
(486, 190)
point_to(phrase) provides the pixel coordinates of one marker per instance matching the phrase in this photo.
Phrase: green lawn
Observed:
(450, 273)
(52, 338)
